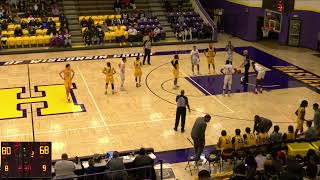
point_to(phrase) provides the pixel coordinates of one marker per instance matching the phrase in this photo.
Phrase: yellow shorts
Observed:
(210, 60)
(109, 79)
(137, 73)
(68, 84)
(176, 73)
(299, 124)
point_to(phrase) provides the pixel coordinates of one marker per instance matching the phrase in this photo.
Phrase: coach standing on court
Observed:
(147, 48)
(182, 103)
(261, 124)
(198, 135)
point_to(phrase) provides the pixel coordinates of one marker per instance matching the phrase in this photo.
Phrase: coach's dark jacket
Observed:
(263, 125)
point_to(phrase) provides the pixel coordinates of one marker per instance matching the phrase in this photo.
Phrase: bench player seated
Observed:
(249, 138)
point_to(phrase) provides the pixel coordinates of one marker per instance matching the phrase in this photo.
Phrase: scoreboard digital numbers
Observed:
(26, 160)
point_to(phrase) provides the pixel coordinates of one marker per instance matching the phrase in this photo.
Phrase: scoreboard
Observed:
(26, 160)
(282, 6)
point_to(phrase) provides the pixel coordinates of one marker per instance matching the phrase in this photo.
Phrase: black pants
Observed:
(198, 144)
(246, 73)
(147, 53)
(181, 111)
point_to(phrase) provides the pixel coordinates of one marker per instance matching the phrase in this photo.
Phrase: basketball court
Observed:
(33, 97)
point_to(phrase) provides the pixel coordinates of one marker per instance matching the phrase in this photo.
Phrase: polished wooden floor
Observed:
(137, 117)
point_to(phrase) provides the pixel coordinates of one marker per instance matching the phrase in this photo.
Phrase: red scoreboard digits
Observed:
(26, 159)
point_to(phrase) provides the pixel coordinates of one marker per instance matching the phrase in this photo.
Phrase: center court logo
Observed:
(50, 100)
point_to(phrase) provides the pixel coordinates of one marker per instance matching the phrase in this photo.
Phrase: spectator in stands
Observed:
(180, 34)
(100, 35)
(224, 141)
(87, 37)
(30, 18)
(117, 6)
(52, 27)
(311, 133)
(181, 20)
(115, 21)
(64, 168)
(35, 9)
(32, 31)
(188, 33)
(294, 170)
(311, 157)
(67, 38)
(44, 24)
(204, 174)
(237, 140)
(277, 163)
(17, 19)
(63, 20)
(3, 38)
(311, 172)
(37, 24)
(133, 4)
(239, 172)
(261, 124)
(18, 32)
(156, 34)
(91, 169)
(316, 117)
(55, 10)
(262, 138)
(120, 35)
(260, 159)
(142, 14)
(4, 25)
(126, 3)
(132, 35)
(1, 12)
(198, 135)
(143, 159)
(290, 136)
(251, 166)
(90, 23)
(24, 25)
(276, 137)
(116, 164)
(84, 23)
(249, 138)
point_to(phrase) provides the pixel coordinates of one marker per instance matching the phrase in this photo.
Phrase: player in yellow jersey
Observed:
(137, 71)
(67, 76)
(211, 53)
(249, 138)
(301, 112)
(175, 65)
(237, 140)
(262, 138)
(224, 141)
(290, 136)
(109, 72)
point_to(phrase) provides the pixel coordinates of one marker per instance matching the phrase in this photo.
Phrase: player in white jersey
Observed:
(229, 52)
(227, 71)
(261, 72)
(195, 59)
(122, 67)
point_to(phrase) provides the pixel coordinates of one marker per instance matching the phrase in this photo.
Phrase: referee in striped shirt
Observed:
(182, 103)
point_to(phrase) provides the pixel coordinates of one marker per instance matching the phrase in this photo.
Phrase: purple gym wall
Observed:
(241, 21)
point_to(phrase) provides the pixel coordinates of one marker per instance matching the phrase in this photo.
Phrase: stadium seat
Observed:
(111, 16)
(33, 40)
(4, 33)
(19, 41)
(107, 36)
(46, 39)
(11, 41)
(55, 19)
(39, 32)
(118, 16)
(10, 33)
(24, 19)
(25, 40)
(25, 32)
(11, 27)
(113, 35)
(58, 25)
(95, 18)
(123, 27)
(126, 34)
(41, 40)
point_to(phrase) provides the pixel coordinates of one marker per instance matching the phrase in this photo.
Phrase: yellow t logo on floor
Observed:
(47, 100)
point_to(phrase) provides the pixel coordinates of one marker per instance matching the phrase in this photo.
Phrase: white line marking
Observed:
(94, 101)
(211, 95)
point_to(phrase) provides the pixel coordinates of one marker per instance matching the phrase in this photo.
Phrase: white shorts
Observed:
(261, 75)
(195, 61)
(227, 81)
(122, 76)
